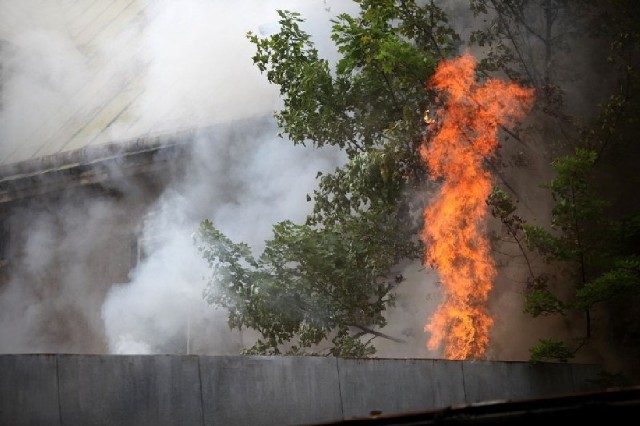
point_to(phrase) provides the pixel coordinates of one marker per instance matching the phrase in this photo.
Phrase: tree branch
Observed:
(378, 334)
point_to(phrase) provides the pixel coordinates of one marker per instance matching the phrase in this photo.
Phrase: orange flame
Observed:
(455, 221)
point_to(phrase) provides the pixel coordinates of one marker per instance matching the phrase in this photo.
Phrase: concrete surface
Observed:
(222, 390)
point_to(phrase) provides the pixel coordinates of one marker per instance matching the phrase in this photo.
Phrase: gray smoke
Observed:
(175, 66)
(244, 181)
(237, 181)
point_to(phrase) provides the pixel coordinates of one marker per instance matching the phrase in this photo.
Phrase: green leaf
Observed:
(550, 350)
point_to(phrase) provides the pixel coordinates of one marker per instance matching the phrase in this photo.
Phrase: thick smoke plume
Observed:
(70, 78)
(178, 65)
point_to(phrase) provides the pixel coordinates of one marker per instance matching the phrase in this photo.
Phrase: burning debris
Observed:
(455, 220)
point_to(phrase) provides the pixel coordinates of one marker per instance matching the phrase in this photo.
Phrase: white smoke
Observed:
(200, 72)
(163, 301)
(52, 298)
(58, 80)
(172, 66)
(72, 76)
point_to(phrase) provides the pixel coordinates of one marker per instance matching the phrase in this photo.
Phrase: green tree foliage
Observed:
(371, 104)
(309, 284)
(577, 231)
(533, 41)
(551, 350)
(324, 285)
(600, 253)
(578, 216)
(622, 280)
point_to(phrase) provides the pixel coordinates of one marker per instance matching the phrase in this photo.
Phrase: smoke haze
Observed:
(175, 65)
(70, 80)
(162, 66)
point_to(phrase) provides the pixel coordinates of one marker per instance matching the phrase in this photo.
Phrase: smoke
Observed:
(58, 272)
(199, 65)
(88, 72)
(72, 76)
(200, 69)
(83, 73)
(57, 81)
(244, 181)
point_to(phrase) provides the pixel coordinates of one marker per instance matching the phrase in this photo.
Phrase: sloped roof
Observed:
(81, 123)
(88, 165)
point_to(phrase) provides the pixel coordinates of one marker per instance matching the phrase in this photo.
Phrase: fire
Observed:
(466, 133)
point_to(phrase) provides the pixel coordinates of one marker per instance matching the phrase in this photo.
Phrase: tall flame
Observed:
(455, 221)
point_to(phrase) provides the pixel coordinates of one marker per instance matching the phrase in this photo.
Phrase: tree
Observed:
(579, 219)
(595, 181)
(599, 253)
(372, 108)
(330, 279)
(309, 284)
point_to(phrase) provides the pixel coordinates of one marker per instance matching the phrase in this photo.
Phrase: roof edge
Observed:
(93, 154)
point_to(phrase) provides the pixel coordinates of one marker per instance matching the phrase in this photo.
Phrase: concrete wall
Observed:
(205, 390)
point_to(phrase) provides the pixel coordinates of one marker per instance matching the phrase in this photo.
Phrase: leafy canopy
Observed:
(540, 42)
(328, 281)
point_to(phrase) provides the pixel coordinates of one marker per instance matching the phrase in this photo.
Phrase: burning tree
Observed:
(589, 248)
(331, 277)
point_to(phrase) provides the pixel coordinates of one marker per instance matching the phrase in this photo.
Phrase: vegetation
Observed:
(583, 239)
(330, 279)
(323, 286)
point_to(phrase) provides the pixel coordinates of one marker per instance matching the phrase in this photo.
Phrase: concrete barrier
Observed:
(269, 390)
(29, 390)
(129, 390)
(202, 390)
(394, 386)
